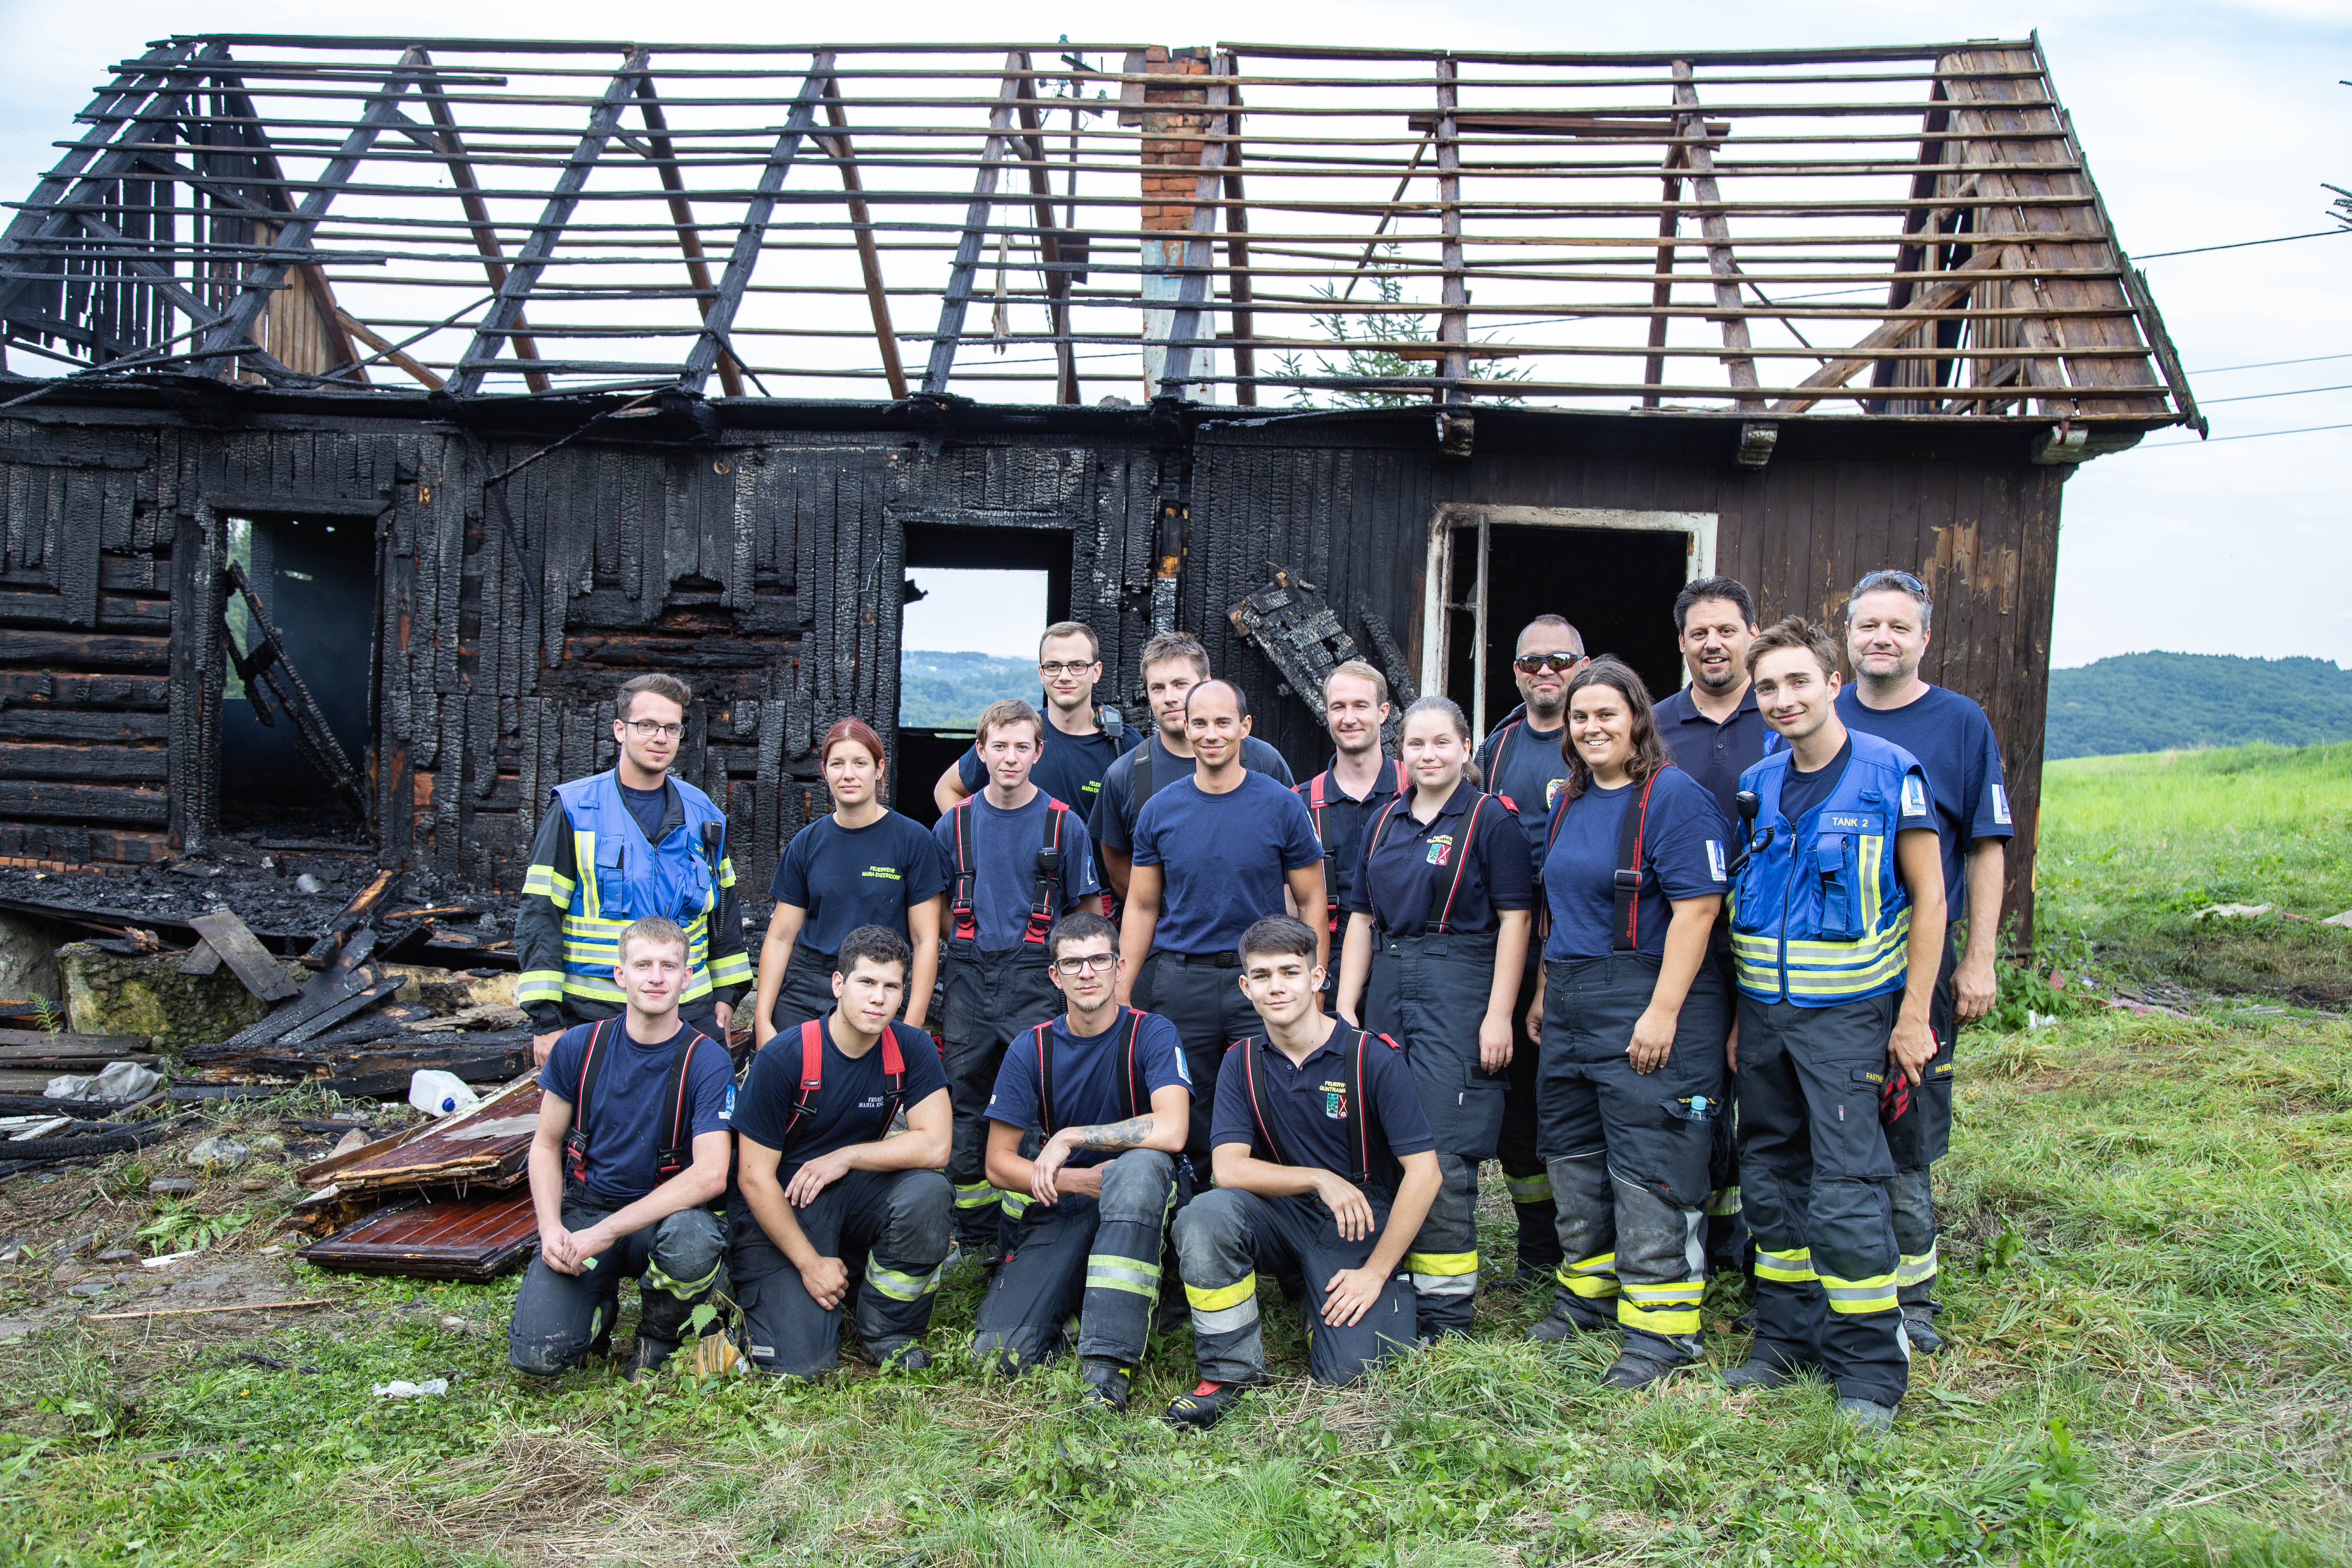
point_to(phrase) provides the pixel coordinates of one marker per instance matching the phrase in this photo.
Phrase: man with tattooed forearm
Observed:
(1101, 1094)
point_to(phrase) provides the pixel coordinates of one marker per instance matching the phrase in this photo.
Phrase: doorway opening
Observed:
(1615, 575)
(976, 599)
(316, 579)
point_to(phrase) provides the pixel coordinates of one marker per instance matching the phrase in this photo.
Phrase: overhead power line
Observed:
(2254, 436)
(2256, 396)
(2240, 244)
(2268, 364)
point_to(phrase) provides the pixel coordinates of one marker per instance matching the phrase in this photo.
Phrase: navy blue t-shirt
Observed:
(1952, 739)
(1003, 849)
(1683, 855)
(1417, 871)
(647, 806)
(1070, 768)
(1224, 858)
(850, 1104)
(1306, 1106)
(1340, 825)
(850, 876)
(1115, 813)
(628, 1110)
(1714, 755)
(1087, 1073)
(1530, 774)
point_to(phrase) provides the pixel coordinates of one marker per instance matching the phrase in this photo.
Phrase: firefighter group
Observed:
(1150, 1034)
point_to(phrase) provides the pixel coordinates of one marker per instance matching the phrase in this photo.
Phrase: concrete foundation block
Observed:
(107, 994)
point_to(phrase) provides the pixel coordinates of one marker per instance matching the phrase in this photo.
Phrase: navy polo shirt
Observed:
(851, 876)
(1714, 755)
(1002, 849)
(1224, 858)
(849, 1103)
(1340, 825)
(1087, 1071)
(1452, 864)
(1114, 820)
(1684, 855)
(628, 1112)
(1953, 741)
(1529, 775)
(1070, 768)
(647, 806)
(1305, 1105)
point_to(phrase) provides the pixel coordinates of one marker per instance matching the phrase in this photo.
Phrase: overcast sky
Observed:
(2204, 123)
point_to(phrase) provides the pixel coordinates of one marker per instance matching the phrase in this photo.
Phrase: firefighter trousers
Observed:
(892, 1230)
(1428, 993)
(1201, 994)
(1814, 1175)
(1098, 1258)
(1628, 1151)
(559, 1319)
(1525, 1176)
(1917, 1139)
(1225, 1238)
(990, 998)
(806, 991)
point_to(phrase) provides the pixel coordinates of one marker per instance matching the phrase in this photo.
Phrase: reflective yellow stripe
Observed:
(900, 1287)
(735, 969)
(539, 985)
(1792, 1268)
(726, 871)
(974, 1195)
(1667, 1309)
(1219, 1298)
(1535, 1189)
(1724, 1201)
(1442, 1262)
(1917, 1268)
(1106, 1272)
(657, 1280)
(1594, 1278)
(542, 881)
(1013, 1205)
(1876, 1294)
(583, 855)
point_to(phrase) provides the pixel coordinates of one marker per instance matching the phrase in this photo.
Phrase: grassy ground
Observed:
(2147, 1270)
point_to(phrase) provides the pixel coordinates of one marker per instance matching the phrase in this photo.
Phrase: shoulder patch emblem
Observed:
(2001, 805)
(1914, 795)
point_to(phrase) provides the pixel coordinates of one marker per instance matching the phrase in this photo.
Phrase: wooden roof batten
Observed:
(1284, 225)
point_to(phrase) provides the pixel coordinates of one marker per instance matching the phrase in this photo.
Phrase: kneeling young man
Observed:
(631, 1143)
(821, 1179)
(1106, 1087)
(1324, 1167)
(1837, 932)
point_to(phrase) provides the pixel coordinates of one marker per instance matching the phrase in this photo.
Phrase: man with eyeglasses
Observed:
(1086, 1139)
(1888, 619)
(1522, 760)
(621, 845)
(1081, 741)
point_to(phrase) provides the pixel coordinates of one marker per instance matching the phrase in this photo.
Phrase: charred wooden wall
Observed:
(763, 565)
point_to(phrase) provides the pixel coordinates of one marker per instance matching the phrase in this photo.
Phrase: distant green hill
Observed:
(947, 690)
(2163, 701)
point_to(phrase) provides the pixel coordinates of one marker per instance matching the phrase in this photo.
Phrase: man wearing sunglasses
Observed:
(1086, 1138)
(622, 845)
(1522, 761)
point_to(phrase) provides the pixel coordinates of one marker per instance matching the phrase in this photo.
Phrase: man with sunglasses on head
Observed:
(1522, 760)
(1081, 741)
(622, 845)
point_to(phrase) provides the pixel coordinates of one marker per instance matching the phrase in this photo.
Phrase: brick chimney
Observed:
(1173, 118)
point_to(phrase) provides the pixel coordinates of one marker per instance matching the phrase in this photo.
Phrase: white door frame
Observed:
(1455, 518)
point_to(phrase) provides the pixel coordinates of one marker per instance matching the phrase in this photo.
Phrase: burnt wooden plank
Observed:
(85, 651)
(119, 764)
(475, 1237)
(254, 967)
(84, 803)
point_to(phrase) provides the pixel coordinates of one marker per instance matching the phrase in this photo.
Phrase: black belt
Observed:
(1228, 959)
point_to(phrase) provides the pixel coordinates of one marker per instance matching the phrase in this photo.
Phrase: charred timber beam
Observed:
(446, 141)
(505, 310)
(235, 330)
(1453, 312)
(869, 259)
(391, 352)
(1049, 248)
(84, 803)
(273, 184)
(720, 314)
(664, 156)
(965, 269)
(81, 760)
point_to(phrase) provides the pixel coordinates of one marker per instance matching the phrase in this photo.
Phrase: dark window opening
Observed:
(978, 600)
(317, 580)
(1616, 585)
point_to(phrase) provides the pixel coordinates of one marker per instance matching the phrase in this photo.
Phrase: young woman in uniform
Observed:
(863, 864)
(1632, 1019)
(1437, 940)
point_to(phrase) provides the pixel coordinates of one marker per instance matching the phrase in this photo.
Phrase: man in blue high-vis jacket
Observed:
(620, 845)
(1837, 933)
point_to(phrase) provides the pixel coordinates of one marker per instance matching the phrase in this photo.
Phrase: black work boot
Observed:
(1632, 1372)
(1105, 1381)
(1206, 1406)
(648, 1356)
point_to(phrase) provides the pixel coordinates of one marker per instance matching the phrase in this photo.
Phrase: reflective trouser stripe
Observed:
(1443, 1273)
(1917, 1268)
(1107, 1272)
(1013, 1205)
(1535, 1189)
(1791, 1268)
(1723, 1201)
(1669, 1309)
(1223, 1308)
(974, 1195)
(1594, 1278)
(657, 1278)
(1876, 1294)
(900, 1287)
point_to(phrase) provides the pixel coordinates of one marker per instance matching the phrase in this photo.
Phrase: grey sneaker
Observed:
(1875, 1419)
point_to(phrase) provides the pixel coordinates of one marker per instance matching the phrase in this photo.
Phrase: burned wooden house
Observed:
(490, 372)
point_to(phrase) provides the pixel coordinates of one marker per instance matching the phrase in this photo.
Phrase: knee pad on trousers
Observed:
(1136, 1186)
(920, 1227)
(684, 1260)
(1211, 1241)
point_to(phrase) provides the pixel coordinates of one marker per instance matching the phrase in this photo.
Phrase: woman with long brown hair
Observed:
(862, 864)
(1632, 1017)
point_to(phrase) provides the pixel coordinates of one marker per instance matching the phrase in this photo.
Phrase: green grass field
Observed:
(2147, 1277)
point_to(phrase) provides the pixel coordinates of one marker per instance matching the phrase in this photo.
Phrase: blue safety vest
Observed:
(1820, 915)
(621, 878)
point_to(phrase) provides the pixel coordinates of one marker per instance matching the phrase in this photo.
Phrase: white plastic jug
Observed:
(438, 1093)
